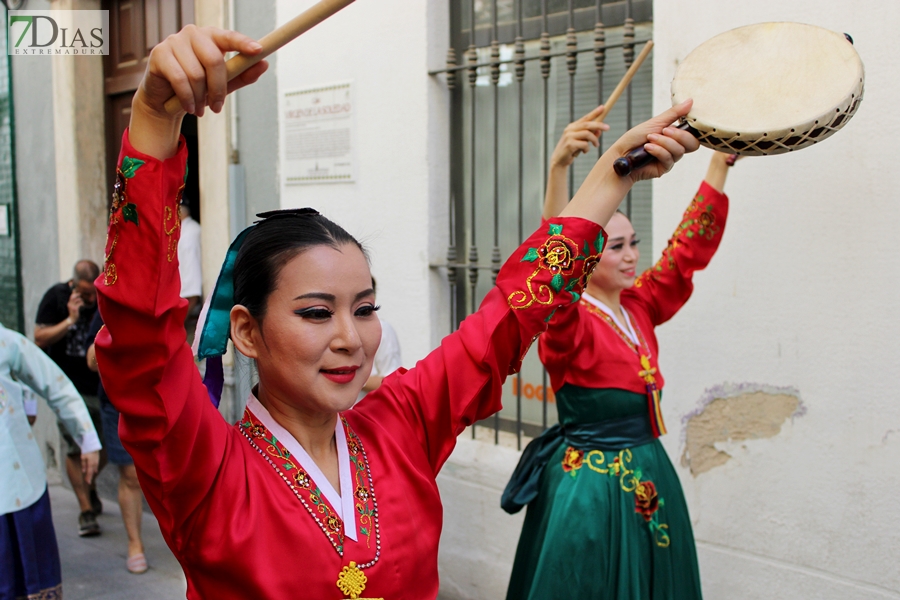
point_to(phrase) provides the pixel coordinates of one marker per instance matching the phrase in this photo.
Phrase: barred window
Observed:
(527, 69)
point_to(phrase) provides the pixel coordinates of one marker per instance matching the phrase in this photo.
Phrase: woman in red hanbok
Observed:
(307, 495)
(604, 460)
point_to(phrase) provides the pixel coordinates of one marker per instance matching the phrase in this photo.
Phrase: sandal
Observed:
(137, 564)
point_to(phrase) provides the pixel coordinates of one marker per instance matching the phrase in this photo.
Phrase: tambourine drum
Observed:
(770, 88)
(765, 89)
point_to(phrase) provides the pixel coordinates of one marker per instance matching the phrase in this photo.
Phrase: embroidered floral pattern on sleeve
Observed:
(569, 268)
(172, 222)
(698, 220)
(306, 490)
(647, 501)
(121, 211)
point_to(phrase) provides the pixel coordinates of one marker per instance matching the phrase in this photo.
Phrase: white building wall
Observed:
(36, 178)
(801, 295)
(397, 206)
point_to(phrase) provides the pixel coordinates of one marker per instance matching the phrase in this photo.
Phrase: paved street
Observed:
(94, 568)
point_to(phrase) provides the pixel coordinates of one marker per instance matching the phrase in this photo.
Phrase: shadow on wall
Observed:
(734, 413)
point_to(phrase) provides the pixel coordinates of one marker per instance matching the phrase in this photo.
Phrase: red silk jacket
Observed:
(603, 359)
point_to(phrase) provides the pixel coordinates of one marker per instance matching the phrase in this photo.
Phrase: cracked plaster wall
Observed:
(734, 414)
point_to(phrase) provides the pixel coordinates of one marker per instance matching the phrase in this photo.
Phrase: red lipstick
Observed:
(340, 374)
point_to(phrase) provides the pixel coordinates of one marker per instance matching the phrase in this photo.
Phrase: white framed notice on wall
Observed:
(4, 219)
(317, 134)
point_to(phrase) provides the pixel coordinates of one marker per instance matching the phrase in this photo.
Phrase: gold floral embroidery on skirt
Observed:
(647, 501)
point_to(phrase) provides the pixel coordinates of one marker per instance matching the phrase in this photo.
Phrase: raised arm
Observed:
(602, 191)
(190, 65)
(667, 285)
(460, 382)
(577, 138)
(170, 428)
(717, 172)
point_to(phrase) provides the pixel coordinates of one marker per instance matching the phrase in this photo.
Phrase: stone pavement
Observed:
(94, 568)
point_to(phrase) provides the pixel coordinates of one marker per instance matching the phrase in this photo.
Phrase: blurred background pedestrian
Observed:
(189, 261)
(61, 329)
(131, 499)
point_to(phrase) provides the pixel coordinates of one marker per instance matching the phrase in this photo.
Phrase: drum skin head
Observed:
(770, 88)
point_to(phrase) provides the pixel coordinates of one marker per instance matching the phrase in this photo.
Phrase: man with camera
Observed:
(61, 330)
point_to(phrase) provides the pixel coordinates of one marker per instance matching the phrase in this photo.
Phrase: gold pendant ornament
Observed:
(351, 581)
(647, 372)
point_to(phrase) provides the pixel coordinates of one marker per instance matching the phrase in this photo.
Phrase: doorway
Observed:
(136, 26)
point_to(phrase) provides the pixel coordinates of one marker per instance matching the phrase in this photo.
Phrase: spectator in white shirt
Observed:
(189, 265)
(387, 358)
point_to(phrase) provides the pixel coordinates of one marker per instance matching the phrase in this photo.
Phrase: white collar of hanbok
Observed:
(342, 503)
(627, 328)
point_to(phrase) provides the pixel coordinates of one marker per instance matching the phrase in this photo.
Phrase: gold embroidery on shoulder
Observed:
(561, 256)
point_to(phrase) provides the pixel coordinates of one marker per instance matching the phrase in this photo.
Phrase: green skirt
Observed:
(606, 524)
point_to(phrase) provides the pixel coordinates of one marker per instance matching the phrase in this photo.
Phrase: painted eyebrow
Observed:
(363, 294)
(317, 296)
(331, 297)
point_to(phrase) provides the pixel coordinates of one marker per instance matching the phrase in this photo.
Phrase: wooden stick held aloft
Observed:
(629, 75)
(274, 40)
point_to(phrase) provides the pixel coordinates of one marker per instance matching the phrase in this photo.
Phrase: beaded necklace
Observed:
(640, 348)
(351, 580)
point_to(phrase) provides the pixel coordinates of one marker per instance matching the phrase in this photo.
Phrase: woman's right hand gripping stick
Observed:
(190, 65)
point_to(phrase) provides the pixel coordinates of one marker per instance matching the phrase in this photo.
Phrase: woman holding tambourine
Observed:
(606, 514)
(607, 517)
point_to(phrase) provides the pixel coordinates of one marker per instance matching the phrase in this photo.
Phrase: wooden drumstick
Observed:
(274, 40)
(629, 75)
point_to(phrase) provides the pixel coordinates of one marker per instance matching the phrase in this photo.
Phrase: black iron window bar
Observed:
(471, 66)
